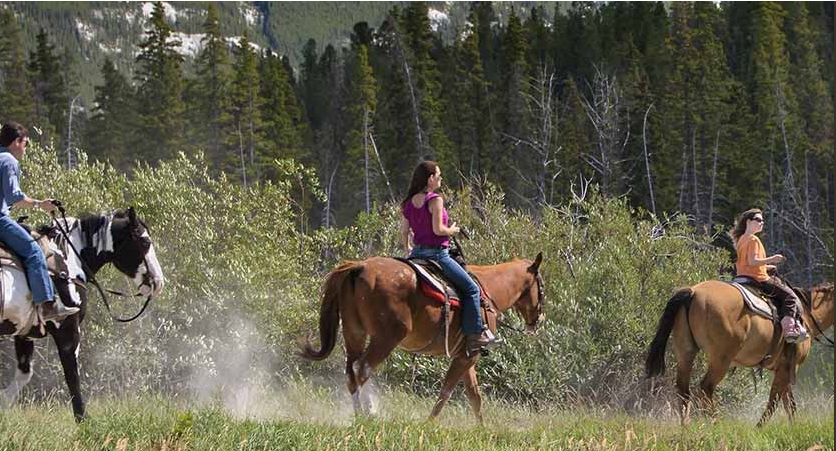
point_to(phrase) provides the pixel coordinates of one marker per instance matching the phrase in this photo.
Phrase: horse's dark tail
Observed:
(329, 312)
(655, 364)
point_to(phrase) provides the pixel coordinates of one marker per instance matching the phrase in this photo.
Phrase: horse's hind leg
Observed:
(355, 340)
(23, 373)
(377, 351)
(67, 341)
(459, 366)
(471, 387)
(685, 350)
(717, 369)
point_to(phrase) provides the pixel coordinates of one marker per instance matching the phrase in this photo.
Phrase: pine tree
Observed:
(513, 117)
(212, 102)
(245, 132)
(361, 103)
(49, 89)
(159, 78)
(284, 127)
(17, 92)
(114, 119)
(468, 125)
(419, 42)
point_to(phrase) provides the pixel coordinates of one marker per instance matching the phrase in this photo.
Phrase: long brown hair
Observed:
(419, 178)
(740, 225)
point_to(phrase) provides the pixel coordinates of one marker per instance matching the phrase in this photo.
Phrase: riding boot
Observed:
(793, 331)
(478, 343)
(55, 310)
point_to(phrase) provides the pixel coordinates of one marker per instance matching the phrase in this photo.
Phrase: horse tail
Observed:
(329, 312)
(655, 363)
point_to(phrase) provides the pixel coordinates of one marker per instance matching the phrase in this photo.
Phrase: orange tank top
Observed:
(744, 247)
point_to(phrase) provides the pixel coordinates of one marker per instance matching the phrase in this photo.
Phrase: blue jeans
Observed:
(21, 243)
(469, 290)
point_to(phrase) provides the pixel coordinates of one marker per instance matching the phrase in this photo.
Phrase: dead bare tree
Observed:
(604, 111)
(713, 179)
(647, 161)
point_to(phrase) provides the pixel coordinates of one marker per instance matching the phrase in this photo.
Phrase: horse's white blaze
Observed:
(13, 390)
(150, 266)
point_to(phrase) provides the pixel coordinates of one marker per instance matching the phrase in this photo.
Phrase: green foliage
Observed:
(113, 120)
(160, 86)
(17, 93)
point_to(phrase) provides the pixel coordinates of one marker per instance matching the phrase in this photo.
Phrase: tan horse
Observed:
(380, 299)
(712, 317)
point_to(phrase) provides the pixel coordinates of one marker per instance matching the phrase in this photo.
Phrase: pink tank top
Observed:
(420, 221)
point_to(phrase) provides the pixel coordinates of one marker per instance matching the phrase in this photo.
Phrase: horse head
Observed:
(530, 303)
(123, 240)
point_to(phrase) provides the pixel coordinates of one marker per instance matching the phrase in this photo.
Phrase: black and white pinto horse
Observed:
(121, 239)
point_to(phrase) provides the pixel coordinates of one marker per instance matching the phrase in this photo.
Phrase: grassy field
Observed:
(323, 421)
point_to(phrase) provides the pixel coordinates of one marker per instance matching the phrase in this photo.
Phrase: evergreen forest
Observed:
(695, 108)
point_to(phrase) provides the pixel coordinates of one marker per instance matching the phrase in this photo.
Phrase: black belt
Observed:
(421, 246)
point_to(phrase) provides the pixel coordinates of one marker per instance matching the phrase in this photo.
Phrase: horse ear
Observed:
(132, 216)
(536, 265)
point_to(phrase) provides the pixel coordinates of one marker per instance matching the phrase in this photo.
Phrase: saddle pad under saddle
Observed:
(754, 300)
(433, 285)
(55, 261)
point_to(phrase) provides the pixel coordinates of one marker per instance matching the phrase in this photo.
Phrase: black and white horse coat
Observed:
(120, 239)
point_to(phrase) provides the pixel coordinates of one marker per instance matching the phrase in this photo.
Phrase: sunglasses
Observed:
(757, 220)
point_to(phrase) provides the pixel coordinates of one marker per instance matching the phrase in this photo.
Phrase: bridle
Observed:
(91, 277)
(807, 301)
(541, 299)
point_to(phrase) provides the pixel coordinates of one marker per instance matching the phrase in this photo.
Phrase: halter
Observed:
(91, 276)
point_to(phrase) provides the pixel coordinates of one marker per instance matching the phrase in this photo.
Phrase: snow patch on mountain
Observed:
(189, 43)
(84, 30)
(235, 40)
(170, 12)
(250, 15)
(437, 18)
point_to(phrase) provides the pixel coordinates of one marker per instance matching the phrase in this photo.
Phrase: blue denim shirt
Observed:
(9, 181)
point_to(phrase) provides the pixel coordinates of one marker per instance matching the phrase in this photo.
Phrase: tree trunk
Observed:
(713, 181)
(647, 162)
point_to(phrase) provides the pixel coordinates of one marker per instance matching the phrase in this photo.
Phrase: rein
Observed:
(91, 277)
(816, 323)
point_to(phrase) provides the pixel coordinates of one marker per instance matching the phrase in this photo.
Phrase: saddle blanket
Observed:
(754, 300)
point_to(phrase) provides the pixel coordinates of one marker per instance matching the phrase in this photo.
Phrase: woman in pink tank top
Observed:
(426, 218)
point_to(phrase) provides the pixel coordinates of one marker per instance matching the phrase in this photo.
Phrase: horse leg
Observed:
(454, 373)
(377, 351)
(471, 387)
(780, 386)
(67, 340)
(789, 403)
(685, 350)
(717, 369)
(685, 363)
(23, 373)
(355, 340)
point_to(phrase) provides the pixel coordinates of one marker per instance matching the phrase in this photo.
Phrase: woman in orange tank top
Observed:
(753, 263)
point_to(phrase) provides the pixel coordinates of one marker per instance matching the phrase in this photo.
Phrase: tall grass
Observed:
(157, 423)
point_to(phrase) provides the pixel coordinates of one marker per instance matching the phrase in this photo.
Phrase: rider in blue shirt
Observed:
(13, 141)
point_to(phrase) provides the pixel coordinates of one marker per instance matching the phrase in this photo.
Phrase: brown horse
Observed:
(380, 299)
(715, 320)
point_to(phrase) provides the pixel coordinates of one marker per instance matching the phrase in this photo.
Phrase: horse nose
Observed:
(157, 285)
